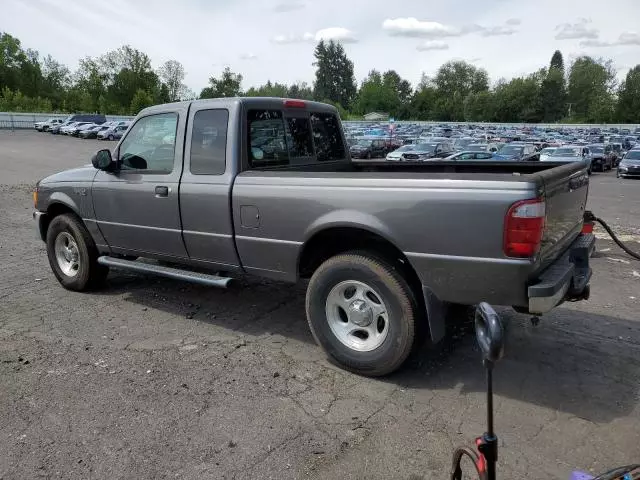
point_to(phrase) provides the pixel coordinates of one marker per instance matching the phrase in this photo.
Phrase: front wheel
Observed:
(73, 255)
(362, 312)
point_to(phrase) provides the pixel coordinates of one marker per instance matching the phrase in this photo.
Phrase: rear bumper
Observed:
(566, 279)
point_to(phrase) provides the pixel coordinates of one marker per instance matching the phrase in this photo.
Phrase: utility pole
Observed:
(570, 105)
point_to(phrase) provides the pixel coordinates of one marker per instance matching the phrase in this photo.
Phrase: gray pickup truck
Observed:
(208, 189)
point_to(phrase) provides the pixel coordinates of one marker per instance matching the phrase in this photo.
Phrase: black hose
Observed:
(590, 217)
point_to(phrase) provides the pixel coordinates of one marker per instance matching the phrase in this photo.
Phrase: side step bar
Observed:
(175, 273)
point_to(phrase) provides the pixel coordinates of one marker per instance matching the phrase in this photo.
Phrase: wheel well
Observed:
(333, 241)
(53, 211)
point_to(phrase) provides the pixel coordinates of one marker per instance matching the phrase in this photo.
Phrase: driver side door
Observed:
(136, 206)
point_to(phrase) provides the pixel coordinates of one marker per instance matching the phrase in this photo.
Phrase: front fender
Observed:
(64, 199)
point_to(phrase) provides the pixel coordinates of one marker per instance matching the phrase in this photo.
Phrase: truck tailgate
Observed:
(565, 192)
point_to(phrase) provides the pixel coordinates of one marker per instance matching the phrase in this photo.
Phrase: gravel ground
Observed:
(153, 378)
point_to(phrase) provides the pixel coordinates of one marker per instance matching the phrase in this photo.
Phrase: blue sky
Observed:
(274, 39)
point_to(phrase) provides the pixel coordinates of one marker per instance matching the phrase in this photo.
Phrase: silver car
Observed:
(630, 165)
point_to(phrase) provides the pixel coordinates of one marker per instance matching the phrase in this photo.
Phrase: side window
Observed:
(327, 138)
(150, 144)
(483, 156)
(466, 156)
(299, 137)
(267, 145)
(209, 142)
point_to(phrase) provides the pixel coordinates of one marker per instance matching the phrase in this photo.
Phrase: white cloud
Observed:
(432, 45)
(412, 27)
(625, 38)
(248, 56)
(498, 30)
(338, 34)
(291, 6)
(581, 29)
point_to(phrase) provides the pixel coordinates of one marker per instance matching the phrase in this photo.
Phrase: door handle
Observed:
(162, 191)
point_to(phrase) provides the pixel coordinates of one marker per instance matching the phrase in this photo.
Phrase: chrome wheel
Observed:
(357, 315)
(67, 254)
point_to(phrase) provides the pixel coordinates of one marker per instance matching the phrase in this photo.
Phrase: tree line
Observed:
(123, 81)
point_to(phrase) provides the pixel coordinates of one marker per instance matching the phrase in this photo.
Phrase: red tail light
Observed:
(587, 227)
(295, 103)
(523, 228)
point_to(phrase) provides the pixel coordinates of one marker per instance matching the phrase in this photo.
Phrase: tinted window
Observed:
(150, 144)
(299, 137)
(209, 142)
(327, 137)
(267, 143)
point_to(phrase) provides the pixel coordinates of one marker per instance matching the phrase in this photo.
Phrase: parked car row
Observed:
(85, 126)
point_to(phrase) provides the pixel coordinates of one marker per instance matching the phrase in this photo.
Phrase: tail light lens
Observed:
(587, 227)
(523, 228)
(35, 197)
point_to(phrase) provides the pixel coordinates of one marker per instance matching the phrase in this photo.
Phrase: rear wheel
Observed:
(362, 312)
(73, 255)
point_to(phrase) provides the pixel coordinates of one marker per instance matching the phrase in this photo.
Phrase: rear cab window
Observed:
(283, 137)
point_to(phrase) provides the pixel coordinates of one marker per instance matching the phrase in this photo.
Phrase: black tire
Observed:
(110, 137)
(401, 306)
(89, 274)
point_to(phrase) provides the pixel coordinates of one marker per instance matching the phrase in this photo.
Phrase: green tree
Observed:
(518, 100)
(454, 81)
(557, 61)
(172, 75)
(628, 107)
(300, 90)
(141, 99)
(421, 105)
(590, 89)
(553, 92)
(479, 107)
(335, 79)
(228, 85)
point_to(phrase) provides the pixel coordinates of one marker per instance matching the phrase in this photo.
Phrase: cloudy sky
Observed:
(274, 39)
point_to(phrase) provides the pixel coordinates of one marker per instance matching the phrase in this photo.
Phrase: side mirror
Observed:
(489, 332)
(102, 159)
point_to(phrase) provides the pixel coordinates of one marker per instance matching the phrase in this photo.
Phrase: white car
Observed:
(46, 125)
(396, 155)
(545, 153)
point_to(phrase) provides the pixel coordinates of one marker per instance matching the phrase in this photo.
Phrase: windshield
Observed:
(632, 155)
(567, 152)
(463, 142)
(426, 147)
(364, 143)
(547, 151)
(596, 149)
(406, 148)
(510, 150)
(478, 146)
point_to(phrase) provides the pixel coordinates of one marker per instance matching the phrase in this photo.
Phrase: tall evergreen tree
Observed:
(335, 80)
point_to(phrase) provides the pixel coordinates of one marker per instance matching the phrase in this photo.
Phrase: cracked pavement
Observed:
(154, 378)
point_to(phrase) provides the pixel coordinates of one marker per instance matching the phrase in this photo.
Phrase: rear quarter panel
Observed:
(451, 230)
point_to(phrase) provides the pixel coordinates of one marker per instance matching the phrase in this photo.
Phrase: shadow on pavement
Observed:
(576, 362)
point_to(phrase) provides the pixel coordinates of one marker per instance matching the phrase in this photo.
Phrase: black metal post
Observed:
(489, 445)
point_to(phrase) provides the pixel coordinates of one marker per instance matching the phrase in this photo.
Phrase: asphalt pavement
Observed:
(154, 378)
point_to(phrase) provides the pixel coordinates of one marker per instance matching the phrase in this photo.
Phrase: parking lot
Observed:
(154, 378)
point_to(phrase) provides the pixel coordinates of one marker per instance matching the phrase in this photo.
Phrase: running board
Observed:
(175, 273)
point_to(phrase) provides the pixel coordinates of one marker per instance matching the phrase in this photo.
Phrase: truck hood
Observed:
(79, 174)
